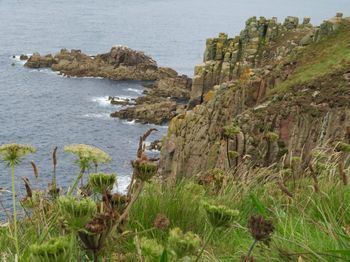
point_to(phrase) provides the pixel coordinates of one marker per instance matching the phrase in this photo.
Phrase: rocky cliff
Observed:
(273, 93)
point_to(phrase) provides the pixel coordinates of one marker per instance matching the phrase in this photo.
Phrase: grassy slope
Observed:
(320, 59)
(310, 224)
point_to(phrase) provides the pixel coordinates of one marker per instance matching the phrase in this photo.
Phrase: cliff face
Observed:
(282, 90)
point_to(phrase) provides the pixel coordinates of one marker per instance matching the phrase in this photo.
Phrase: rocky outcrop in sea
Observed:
(165, 98)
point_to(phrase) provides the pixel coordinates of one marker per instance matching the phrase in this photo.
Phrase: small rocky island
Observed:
(165, 97)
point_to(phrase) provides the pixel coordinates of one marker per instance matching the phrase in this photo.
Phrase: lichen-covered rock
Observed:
(275, 123)
(262, 41)
(121, 63)
(166, 97)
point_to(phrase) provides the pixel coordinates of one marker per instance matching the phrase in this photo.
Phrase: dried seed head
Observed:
(35, 169)
(161, 221)
(248, 259)
(54, 156)
(260, 229)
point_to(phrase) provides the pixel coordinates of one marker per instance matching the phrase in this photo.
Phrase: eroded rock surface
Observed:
(163, 99)
(272, 87)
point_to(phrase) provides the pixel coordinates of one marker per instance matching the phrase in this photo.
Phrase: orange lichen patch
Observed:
(209, 96)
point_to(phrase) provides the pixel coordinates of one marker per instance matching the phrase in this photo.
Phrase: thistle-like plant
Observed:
(101, 182)
(54, 250)
(12, 155)
(76, 212)
(183, 244)
(260, 229)
(86, 155)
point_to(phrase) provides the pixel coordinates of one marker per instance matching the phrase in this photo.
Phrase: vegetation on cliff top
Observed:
(320, 59)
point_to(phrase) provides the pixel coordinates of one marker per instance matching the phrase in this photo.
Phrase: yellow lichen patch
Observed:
(209, 96)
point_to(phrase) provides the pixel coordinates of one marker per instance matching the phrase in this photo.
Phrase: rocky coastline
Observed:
(268, 96)
(163, 99)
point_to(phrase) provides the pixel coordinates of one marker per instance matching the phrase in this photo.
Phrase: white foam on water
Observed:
(18, 60)
(138, 91)
(102, 101)
(133, 122)
(105, 116)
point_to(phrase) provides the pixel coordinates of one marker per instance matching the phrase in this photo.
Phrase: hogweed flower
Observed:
(90, 153)
(12, 155)
(230, 131)
(101, 182)
(219, 216)
(183, 244)
(77, 212)
(145, 170)
(260, 228)
(150, 249)
(54, 250)
(86, 154)
(233, 154)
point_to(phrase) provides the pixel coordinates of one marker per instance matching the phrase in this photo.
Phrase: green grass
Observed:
(320, 59)
(313, 226)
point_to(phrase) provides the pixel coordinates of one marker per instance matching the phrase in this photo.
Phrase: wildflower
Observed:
(12, 153)
(260, 228)
(77, 212)
(220, 216)
(90, 153)
(161, 221)
(32, 201)
(119, 201)
(145, 170)
(183, 244)
(101, 182)
(230, 131)
(271, 136)
(54, 250)
(343, 147)
(233, 154)
(86, 154)
(150, 249)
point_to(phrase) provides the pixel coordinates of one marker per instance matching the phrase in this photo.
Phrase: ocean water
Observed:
(44, 109)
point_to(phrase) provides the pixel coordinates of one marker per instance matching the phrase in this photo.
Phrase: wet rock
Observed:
(155, 145)
(38, 61)
(121, 63)
(121, 101)
(23, 57)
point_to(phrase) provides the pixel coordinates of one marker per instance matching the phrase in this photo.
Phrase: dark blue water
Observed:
(43, 109)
